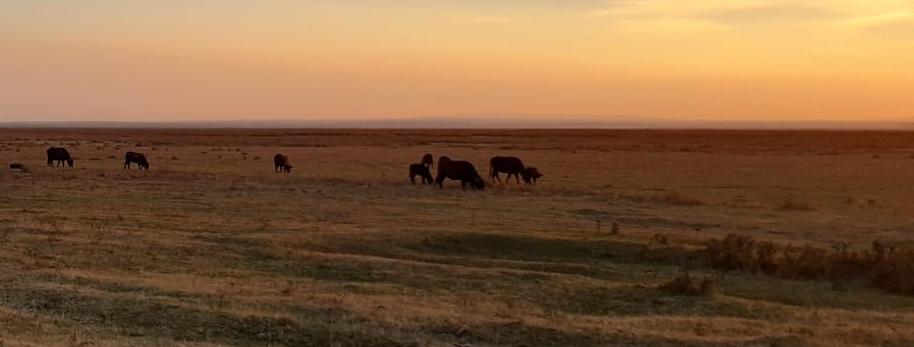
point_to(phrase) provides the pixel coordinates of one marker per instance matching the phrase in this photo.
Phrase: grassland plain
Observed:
(212, 248)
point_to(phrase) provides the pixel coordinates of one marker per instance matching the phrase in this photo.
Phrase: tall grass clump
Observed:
(685, 284)
(674, 197)
(885, 265)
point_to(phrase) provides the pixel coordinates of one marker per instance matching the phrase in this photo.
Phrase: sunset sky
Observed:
(167, 60)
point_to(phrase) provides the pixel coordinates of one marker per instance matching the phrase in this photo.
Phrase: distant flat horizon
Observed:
(454, 123)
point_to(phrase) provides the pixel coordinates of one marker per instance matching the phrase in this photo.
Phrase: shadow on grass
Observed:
(820, 294)
(520, 334)
(535, 249)
(144, 317)
(637, 300)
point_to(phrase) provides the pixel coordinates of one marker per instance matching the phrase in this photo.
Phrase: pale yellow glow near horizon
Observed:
(221, 60)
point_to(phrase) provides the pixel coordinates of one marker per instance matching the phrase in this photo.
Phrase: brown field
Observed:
(212, 248)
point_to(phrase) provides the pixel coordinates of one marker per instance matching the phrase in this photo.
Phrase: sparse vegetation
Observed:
(793, 205)
(885, 265)
(685, 284)
(675, 198)
(344, 251)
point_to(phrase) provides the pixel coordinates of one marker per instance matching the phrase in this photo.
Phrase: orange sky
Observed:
(590, 59)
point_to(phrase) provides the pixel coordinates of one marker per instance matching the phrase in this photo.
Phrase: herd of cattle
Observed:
(466, 173)
(58, 156)
(460, 170)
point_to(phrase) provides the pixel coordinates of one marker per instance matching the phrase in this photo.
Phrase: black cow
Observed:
(531, 174)
(509, 165)
(442, 160)
(281, 163)
(421, 171)
(459, 170)
(138, 158)
(428, 160)
(59, 155)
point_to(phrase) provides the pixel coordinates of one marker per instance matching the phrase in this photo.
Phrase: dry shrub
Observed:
(19, 167)
(5, 235)
(685, 284)
(742, 201)
(792, 205)
(660, 240)
(675, 198)
(887, 266)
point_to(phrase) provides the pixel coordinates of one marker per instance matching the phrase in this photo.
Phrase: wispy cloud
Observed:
(890, 22)
(488, 19)
(639, 9)
(882, 18)
(767, 14)
(712, 11)
(835, 20)
(898, 29)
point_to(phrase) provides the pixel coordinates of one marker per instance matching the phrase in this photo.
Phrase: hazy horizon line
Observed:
(479, 123)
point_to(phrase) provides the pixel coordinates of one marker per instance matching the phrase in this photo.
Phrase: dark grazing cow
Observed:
(428, 160)
(421, 171)
(531, 174)
(59, 155)
(442, 160)
(509, 165)
(459, 170)
(281, 162)
(138, 158)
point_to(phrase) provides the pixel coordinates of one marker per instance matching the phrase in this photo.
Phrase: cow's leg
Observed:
(413, 179)
(439, 181)
(517, 178)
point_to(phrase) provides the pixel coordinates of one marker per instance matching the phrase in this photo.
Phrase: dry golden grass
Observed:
(212, 248)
